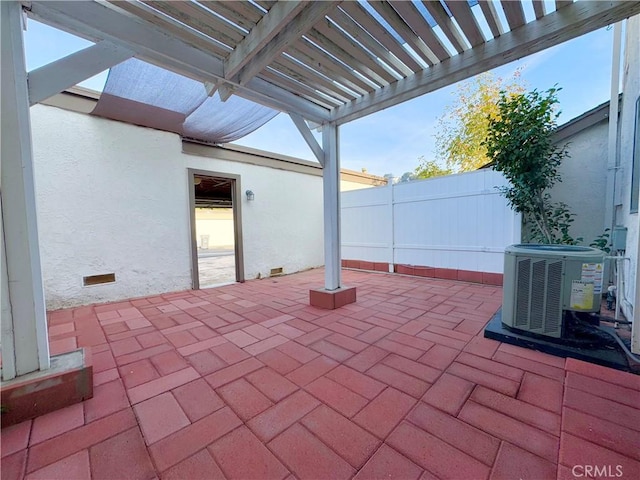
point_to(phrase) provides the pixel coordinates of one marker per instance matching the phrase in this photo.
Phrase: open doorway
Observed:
(216, 235)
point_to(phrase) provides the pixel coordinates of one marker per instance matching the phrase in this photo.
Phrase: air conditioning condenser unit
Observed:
(542, 282)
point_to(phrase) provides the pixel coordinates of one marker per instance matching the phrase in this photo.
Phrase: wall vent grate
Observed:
(98, 279)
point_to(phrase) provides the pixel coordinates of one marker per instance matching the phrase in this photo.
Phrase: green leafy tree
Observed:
(519, 142)
(430, 169)
(464, 125)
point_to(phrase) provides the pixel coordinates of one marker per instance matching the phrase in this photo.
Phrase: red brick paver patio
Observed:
(248, 381)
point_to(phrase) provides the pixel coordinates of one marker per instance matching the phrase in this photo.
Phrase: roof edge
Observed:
(589, 118)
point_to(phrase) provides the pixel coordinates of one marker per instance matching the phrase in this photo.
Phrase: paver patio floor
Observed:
(248, 381)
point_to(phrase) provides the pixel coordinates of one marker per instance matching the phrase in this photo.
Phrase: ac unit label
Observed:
(581, 295)
(593, 273)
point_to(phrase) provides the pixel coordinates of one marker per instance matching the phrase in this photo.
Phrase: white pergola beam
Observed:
(306, 133)
(225, 90)
(25, 338)
(66, 72)
(570, 22)
(282, 34)
(211, 88)
(96, 22)
(257, 39)
(331, 194)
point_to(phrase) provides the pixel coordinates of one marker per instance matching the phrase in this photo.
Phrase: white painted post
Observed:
(331, 191)
(392, 226)
(612, 162)
(635, 326)
(26, 336)
(516, 229)
(6, 319)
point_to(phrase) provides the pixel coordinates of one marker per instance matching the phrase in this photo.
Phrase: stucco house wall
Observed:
(113, 198)
(110, 198)
(584, 173)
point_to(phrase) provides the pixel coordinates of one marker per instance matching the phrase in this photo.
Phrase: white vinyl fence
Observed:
(454, 222)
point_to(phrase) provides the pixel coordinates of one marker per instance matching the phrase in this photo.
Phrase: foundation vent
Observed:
(276, 271)
(98, 279)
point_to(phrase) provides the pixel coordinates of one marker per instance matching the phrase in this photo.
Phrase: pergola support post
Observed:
(32, 382)
(334, 294)
(331, 195)
(27, 329)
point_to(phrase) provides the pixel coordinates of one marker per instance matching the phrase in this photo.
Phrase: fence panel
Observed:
(366, 220)
(454, 222)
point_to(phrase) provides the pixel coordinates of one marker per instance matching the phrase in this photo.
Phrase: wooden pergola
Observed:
(325, 63)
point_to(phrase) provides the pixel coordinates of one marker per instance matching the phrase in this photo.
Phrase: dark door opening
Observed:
(215, 229)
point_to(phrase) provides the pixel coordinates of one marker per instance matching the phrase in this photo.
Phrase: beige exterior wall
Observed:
(584, 180)
(214, 228)
(348, 185)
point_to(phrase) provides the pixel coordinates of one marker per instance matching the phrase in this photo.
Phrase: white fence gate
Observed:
(454, 222)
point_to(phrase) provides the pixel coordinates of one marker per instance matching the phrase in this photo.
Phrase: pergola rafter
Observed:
(97, 22)
(280, 27)
(380, 69)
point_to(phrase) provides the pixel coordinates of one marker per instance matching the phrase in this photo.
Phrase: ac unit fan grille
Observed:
(554, 299)
(538, 281)
(538, 296)
(522, 293)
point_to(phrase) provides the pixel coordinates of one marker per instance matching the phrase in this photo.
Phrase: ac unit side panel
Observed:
(508, 290)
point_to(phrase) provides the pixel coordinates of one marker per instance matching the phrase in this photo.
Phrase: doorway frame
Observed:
(236, 204)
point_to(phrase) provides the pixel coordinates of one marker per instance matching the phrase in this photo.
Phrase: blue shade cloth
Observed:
(144, 94)
(145, 83)
(226, 121)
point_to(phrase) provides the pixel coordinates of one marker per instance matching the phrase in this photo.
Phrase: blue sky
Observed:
(391, 141)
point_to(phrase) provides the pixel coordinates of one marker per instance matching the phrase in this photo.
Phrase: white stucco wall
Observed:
(113, 197)
(631, 91)
(282, 227)
(584, 181)
(218, 223)
(108, 202)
